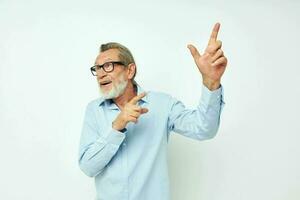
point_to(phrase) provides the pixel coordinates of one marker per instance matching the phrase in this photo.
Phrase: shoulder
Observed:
(158, 94)
(161, 97)
(95, 103)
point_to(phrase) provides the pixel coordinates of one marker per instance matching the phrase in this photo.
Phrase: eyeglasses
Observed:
(107, 67)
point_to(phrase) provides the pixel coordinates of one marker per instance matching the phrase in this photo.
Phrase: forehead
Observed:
(106, 56)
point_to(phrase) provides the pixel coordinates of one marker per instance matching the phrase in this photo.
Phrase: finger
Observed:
(217, 55)
(136, 108)
(144, 110)
(135, 114)
(133, 119)
(135, 99)
(214, 33)
(213, 47)
(220, 62)
(138, 113)
(195, 53)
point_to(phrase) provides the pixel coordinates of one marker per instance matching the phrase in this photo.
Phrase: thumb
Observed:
(195, 53)
(144, 110)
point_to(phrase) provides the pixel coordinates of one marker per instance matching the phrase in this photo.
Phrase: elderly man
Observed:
(125, 131)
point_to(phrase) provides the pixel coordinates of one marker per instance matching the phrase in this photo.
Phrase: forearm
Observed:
(209, 109)
(95, 156)
(201, 123)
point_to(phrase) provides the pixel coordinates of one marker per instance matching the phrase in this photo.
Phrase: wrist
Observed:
(118, 126)
(212, 84)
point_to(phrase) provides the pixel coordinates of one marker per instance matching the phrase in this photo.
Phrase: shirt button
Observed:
(124, 144)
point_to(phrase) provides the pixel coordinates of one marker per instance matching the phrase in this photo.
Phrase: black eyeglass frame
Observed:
(94, 68)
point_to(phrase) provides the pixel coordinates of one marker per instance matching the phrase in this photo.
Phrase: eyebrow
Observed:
(105, 61)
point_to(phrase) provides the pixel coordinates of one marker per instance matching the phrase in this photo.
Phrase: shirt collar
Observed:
(109, 102)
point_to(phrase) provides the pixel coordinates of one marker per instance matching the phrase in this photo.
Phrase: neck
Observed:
(127, 95)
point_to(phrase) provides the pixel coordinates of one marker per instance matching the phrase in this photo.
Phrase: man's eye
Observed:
(107, 65)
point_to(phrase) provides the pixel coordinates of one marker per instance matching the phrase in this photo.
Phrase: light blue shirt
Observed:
(133, 165)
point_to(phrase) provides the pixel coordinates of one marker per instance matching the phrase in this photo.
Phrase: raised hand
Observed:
(130, 113)
(212, 63)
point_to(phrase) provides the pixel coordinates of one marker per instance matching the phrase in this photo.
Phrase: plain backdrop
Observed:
(47, 47)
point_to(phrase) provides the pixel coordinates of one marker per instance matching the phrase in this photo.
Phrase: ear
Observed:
(131, 70)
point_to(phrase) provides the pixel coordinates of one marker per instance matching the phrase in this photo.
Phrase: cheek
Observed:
(120, 77)
(114, 79)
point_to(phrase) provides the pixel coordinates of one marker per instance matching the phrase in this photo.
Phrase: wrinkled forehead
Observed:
(106, 56)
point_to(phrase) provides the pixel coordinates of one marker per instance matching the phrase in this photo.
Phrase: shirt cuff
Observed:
(114, 137)
(211, 97)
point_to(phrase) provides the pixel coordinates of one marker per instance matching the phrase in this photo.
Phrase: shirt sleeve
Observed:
(200, 123)
(96, 150)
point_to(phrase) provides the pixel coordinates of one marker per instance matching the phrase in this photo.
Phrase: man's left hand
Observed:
(212, 63)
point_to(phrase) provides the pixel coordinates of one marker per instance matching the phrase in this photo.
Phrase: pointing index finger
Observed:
(214, 33)
(135, 99)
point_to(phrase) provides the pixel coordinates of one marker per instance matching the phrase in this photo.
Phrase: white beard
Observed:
(116, 90)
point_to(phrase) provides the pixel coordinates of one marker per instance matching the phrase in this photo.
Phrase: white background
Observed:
(47, 47)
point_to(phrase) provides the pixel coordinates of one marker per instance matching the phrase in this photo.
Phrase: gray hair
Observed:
(124, 54)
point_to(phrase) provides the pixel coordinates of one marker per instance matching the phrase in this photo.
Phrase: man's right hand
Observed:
(130, 113)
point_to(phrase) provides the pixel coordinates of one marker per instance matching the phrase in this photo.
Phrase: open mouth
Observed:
(105, 83)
